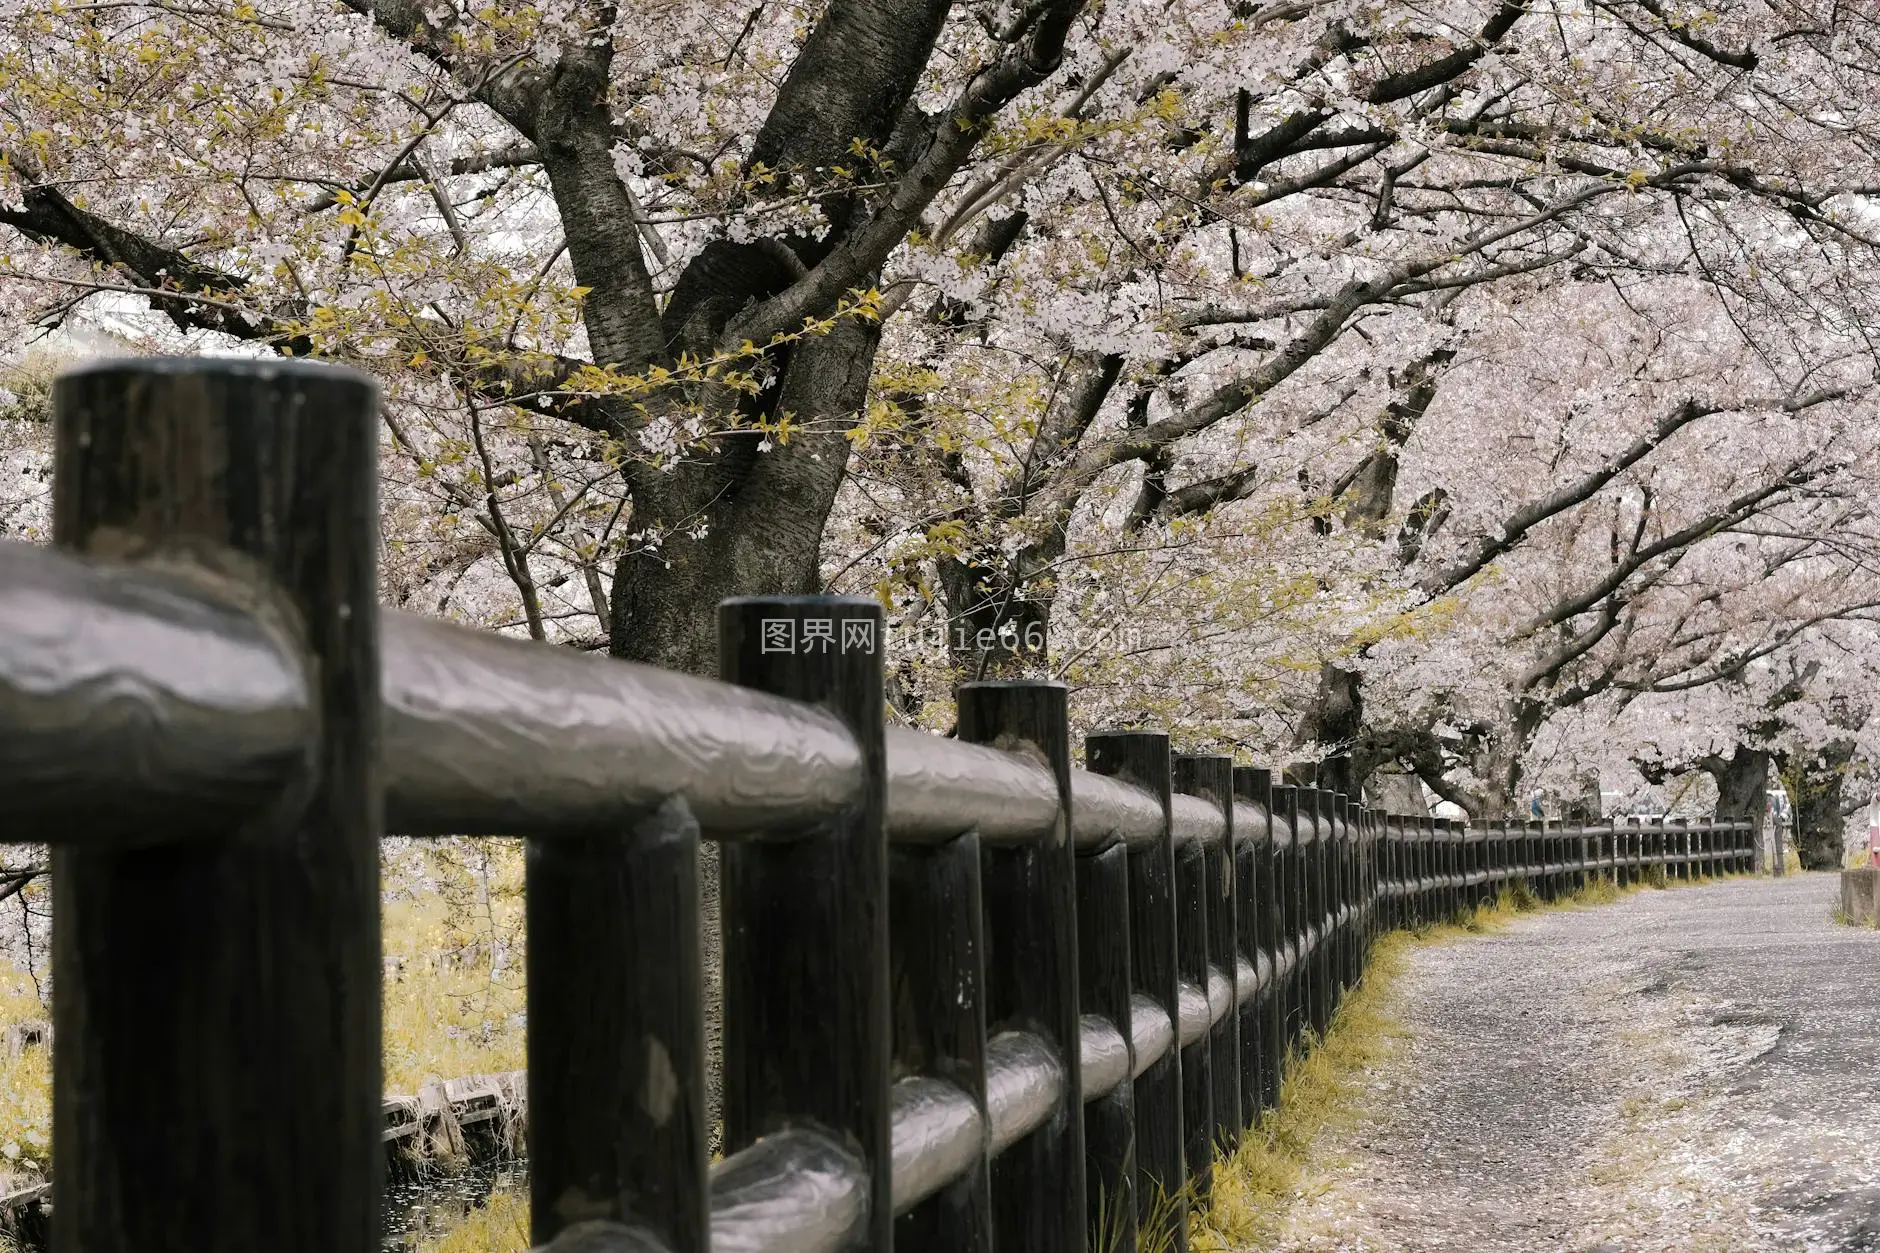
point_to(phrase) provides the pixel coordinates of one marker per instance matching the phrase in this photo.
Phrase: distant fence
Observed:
(973, 997)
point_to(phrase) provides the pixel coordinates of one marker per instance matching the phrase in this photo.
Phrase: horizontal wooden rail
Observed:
(974, 997)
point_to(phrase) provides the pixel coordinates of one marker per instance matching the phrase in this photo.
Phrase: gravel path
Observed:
(1693, 1069)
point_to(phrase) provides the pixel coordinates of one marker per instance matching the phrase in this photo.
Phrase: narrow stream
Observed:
(416, 1206)
(434, 1202)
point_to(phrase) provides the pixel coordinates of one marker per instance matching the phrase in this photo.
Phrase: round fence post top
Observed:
(264, 368)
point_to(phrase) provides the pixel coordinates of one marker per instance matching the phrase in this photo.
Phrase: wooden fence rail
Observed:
(974, 997)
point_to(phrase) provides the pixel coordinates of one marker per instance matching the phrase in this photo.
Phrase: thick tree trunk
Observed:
(1335, 722)
(1336, 719)
(1396, 792)
(749, 523)
(1584, 804)
(1815, 784)
(1497, 763)
(995, 629)
(1742, 781)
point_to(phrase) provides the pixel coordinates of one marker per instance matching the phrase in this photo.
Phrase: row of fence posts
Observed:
(973, 998)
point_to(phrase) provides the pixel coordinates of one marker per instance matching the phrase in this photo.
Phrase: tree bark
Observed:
(1396, 792)
(1815, 784)
(1742, 781)
(997, 627)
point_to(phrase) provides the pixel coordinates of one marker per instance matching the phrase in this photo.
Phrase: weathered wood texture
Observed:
(973, 998)
(220, 979)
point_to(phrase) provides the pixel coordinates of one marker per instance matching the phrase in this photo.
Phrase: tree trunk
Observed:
(749, 523)
(1335, 722)
(1585, 804)
(1742, 791)
(1396, 792)
(995, 630)
(1815, 785)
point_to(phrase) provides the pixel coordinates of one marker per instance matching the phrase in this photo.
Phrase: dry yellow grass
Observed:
(454, 994)
(1255, 1186)
(25, 1089)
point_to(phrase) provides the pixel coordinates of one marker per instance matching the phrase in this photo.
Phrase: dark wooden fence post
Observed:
(1344, 896)
(1450, 847)
(1440, 898)
(1315, 806)
(1289, 899)
(806, 1018)
(1212, 779)
(1452, 868)
(1392, 871)
(1311, 904)
(1475, 861)
(1383, 854)
(1464, 833)
(1495, 845)
(937, 990)
(1360, 819)
(1105, 982)
(1338, 899)
(216, 1082)
(1544, 856)
(1425, 873)
(1429, 868)
(1262, 1022)
(1142, 757)
(616, 1031)
(1192, 899)
(1030, 895)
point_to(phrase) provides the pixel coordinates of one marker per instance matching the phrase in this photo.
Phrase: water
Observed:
(416, 1205)
(436, 1200)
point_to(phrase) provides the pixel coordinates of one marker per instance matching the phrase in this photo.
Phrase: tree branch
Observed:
(852, 263)
(1531, 515)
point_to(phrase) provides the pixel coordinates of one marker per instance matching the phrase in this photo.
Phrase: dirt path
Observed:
(1697, 1069)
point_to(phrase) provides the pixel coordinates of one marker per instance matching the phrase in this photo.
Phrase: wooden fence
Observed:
(973, 996)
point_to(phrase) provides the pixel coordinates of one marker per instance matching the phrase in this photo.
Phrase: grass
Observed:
(455, 1002)
(25, 1090)
(1255, 1187)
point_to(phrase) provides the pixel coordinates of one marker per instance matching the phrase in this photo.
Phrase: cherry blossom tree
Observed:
(1422, 370)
